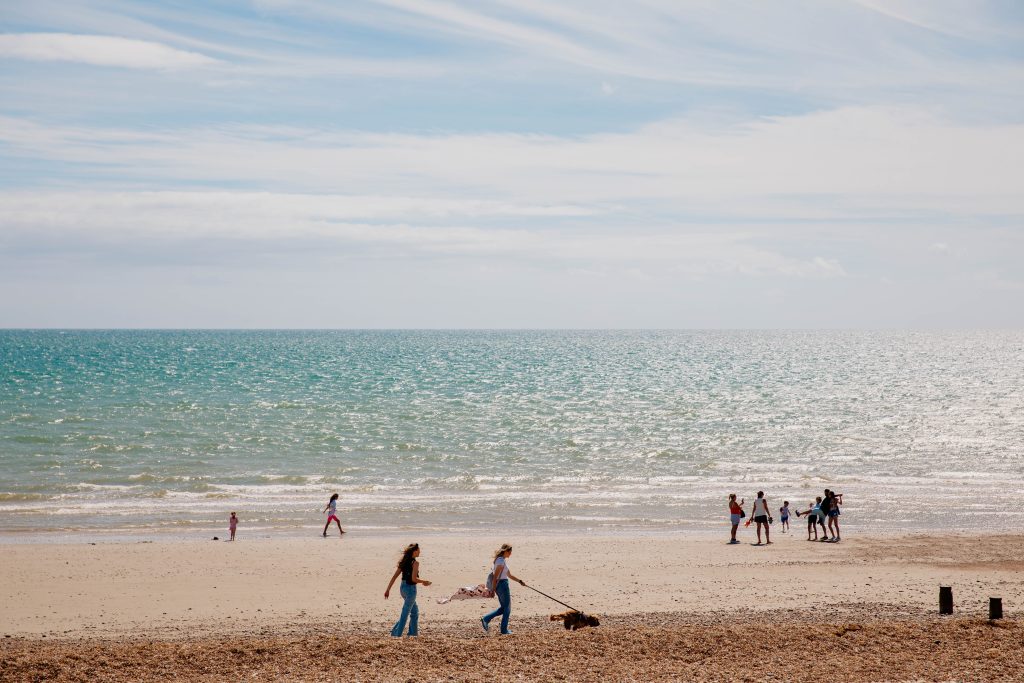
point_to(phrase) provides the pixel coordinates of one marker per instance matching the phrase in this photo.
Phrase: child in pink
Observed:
(233, 524)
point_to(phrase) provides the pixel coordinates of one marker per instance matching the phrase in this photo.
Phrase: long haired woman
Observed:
(501, 577)
(409, 570)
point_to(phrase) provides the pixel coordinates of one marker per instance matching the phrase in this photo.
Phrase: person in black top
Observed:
(835, 500)
(409, 570)
(826, 505)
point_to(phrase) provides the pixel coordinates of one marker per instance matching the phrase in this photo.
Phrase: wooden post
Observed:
(995, 608)
(945, 599)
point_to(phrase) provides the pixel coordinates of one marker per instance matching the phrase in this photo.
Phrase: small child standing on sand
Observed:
(232, 525)
(332, 515)
(784, 515)
(812, 519)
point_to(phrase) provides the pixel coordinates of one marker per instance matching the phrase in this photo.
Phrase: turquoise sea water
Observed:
(126, 431)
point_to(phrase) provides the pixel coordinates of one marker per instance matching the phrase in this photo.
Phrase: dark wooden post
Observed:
(945, 599)
(995, 608)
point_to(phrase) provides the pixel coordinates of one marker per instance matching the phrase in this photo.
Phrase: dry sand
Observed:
(672, 607)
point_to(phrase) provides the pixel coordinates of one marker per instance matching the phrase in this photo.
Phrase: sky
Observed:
(512, 164)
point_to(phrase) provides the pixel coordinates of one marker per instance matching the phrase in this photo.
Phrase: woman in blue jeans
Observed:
(501, 577)
(409, 569)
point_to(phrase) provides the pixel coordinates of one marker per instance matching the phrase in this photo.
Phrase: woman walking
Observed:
(409, 569)
(735, 515)
(762, 518)
(501, 576)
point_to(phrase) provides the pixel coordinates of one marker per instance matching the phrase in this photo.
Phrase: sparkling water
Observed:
(134, 431)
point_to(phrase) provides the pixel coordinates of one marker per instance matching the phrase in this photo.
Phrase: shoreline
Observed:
(687, 530)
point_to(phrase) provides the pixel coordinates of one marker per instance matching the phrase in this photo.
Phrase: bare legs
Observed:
(336, 521)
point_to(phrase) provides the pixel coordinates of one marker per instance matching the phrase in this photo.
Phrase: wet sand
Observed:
(672, 608)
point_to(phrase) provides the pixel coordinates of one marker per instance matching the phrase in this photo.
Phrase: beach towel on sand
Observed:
(466, 593)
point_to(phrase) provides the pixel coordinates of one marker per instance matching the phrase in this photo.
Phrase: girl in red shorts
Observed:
(332, 514)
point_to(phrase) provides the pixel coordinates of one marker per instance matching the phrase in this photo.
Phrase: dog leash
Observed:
(555, 599)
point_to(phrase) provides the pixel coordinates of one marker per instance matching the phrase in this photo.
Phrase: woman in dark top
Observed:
(826, 508)
(409, 570)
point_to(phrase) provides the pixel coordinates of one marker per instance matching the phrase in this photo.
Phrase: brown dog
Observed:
(576, 620)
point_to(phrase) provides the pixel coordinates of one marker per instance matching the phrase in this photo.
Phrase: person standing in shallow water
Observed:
(332, 514)
(501, 577)
(762, 518)
(409, 570)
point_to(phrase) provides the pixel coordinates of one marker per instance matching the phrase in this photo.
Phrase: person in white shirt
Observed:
(331, 510)
(501, 576)
(762, 518)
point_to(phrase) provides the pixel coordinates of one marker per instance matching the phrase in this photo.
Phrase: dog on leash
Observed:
(575, 620)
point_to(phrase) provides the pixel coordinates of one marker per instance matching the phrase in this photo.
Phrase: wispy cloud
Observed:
(894, 159)
(586, 146)
(99, 51)
(85, 221)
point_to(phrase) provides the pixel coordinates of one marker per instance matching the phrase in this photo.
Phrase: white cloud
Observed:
(99, 51)
(998, 281)
(959, 18)
(881, 161)
(820, 47)
(410, 226)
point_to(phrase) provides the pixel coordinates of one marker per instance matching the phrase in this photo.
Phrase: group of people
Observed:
(497, 586)
(408, 569)
(824, 509)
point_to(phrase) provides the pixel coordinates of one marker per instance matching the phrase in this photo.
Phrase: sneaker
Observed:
(734, 542)
(483, 622)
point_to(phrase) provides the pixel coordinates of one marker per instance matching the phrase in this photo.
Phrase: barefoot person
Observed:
(833, 514)
(824, 510)
(233, 525)
(812, 519)
(409, 570)
(762, 518)
(735, 515)
(501, 576)
(784, 516)
(332, 514)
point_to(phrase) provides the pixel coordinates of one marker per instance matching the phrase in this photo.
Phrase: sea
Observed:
(145, 433)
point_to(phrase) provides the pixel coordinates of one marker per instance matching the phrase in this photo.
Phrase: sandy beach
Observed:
(136, 610)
